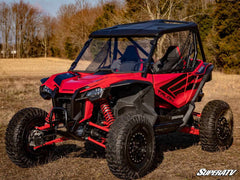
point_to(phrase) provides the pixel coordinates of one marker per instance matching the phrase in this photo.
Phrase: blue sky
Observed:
(49, 6)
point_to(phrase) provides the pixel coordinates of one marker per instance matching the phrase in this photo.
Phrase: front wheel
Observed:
(18, 134)
(130, 148)
(216, 126)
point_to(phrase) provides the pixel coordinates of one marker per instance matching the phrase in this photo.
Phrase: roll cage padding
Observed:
(136, 96)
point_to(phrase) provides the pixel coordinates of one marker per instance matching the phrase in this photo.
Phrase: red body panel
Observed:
(88, 111)
(70, 85)
(177, 88)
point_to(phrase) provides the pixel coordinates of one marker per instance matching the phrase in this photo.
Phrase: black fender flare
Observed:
(135, 96)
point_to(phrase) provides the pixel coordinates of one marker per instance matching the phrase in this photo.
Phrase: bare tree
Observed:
(26, 20)
(46, 33)
(160, 9)
(74, 23)
(5, 27)
(175, 9)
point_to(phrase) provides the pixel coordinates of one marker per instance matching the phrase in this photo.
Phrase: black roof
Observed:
(144, 29)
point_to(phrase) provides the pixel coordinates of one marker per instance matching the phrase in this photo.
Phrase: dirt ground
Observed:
(182, 157)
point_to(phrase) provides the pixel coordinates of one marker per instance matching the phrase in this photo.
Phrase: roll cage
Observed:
(152, 29)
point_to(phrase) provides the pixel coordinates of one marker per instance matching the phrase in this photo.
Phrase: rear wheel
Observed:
(18, 135)
(216, 126)
(130, 148)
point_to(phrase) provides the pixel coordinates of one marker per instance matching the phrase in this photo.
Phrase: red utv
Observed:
(130, 83)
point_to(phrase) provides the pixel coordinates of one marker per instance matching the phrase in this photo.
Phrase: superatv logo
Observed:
(226, 172)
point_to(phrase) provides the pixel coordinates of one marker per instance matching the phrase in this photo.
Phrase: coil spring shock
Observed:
(107, 113)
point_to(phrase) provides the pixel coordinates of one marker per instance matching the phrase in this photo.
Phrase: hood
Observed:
(69, 82)
(72, 84)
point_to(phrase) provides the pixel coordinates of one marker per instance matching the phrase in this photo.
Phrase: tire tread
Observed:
(14, 137)
(115, 140)
(210, 114)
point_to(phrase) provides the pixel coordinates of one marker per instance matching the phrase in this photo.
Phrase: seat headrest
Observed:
(172, 53)
(130, 54)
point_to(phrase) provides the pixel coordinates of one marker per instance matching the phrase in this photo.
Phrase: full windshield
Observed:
(115, 54)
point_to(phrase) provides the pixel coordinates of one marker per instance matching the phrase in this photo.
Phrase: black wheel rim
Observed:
(224, 127)
(139, 147)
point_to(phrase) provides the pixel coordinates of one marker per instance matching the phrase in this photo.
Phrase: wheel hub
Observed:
(137, 147)
(35, 138)
(223, 129)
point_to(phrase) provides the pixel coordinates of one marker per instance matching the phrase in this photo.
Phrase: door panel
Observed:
(171, 87)
(177, 89)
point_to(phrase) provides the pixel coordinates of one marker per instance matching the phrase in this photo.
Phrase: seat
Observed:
(130, 60)
(170, 58)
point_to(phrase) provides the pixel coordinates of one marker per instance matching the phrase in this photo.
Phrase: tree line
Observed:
(28, 32)
(20, 26)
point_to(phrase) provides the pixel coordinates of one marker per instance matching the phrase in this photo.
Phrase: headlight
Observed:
(46, 92)
(94, 94)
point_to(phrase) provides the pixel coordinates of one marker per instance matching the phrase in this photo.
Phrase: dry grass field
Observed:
(182, 157)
